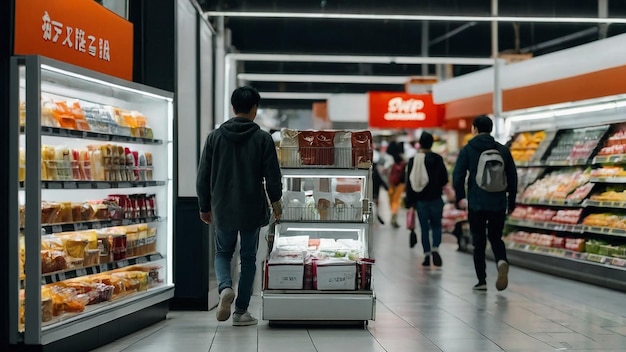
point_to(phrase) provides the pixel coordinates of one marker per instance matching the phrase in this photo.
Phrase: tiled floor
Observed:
(423, 310)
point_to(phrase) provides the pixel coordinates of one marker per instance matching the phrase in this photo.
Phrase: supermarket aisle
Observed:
(423, 310)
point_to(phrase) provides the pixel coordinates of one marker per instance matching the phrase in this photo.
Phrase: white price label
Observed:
(81, 272)
(57, 228)
(61, 276)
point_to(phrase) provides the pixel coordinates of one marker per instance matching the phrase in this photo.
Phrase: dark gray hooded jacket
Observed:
(467, 163)
(238, 158)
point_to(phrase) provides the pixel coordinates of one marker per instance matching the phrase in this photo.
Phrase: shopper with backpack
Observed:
(427, 175)
(491, 192)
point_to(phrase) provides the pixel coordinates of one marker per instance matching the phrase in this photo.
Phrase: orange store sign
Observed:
(79, 32)
(401, 110)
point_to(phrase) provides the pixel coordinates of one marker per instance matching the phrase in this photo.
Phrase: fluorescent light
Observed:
(361, 59)
(584, 109)
(262, 77)
(531, 116)
(295, 95)
(318, 229)
(447, 18)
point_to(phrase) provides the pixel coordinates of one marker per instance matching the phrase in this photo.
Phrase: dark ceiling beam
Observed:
(560, 40)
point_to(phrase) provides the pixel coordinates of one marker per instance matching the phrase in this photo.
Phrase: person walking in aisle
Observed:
(238, 158)
(377, 182)
(428, 200)
(396, 184)
(487, 204)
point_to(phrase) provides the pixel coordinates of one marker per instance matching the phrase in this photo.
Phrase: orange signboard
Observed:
(78, 32)
(402, 110)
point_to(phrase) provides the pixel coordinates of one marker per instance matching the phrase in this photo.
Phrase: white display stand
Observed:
(336, 299)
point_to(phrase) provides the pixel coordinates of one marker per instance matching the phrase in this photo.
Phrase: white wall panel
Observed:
(186, 97)
(348, 107)
(595, 56)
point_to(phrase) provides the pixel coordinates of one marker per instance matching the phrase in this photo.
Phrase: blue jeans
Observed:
(429, 213)
(225, 242)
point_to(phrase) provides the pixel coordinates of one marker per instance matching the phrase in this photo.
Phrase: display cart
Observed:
(319, 265)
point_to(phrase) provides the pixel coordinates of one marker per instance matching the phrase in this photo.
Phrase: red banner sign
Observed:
(79, 32)
(401, 110)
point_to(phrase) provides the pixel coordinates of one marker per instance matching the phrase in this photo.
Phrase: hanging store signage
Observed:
(401, 110)
(79, 32)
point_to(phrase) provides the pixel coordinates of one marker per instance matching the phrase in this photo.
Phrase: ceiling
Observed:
(393, 37)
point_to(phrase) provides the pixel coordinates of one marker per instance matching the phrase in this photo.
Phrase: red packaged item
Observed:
(317, 147)
(362, 149)
(131, 163)
(75, 163)
(151, 205)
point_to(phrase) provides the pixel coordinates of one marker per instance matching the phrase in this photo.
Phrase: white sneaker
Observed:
(244, 319)
(503, 281)
(227, 296)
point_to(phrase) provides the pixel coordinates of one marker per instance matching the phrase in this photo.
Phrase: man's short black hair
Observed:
(483, 124)
(244, 98)
(426, 140)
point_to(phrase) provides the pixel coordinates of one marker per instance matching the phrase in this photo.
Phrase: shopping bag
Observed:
(412, 238)
(410, 219)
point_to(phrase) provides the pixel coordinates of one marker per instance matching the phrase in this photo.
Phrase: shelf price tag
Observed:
(142, 260)
(103, 268)
(123, 263)
(61, 276)
(57, 228)
(81, 272)
(597, 258)
(619, 262)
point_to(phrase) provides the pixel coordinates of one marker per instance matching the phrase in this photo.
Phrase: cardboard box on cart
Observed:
(335, 275)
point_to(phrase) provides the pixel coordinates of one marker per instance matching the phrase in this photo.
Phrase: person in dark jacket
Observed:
(238, 173)
(486, 210)
(428, 202)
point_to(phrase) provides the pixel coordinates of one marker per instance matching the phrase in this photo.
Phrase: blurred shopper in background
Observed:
(428, 201)
(396, 183)
(377, 182)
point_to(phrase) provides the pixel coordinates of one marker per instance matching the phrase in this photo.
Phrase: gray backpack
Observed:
(490, 174)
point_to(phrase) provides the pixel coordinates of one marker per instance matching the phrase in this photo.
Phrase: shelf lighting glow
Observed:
(104, 83)
(567, 109)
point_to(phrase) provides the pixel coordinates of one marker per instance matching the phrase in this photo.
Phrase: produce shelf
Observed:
(609, 159)
(69, 133)
(605, 230)
(97, 224)
(605, 204)
(96, 184)
(547, 225)
(96, 269)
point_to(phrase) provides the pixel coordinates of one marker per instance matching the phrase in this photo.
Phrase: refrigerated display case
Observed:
(319, 265)
(569, 218)
(91, 225)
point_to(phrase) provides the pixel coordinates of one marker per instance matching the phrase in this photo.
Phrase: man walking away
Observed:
(238, 158)
(491, 191)
(428, 200)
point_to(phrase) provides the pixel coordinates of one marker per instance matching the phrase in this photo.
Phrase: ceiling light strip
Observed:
(262, 77)
(295, 95)
(361, 59)
(446, 18)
